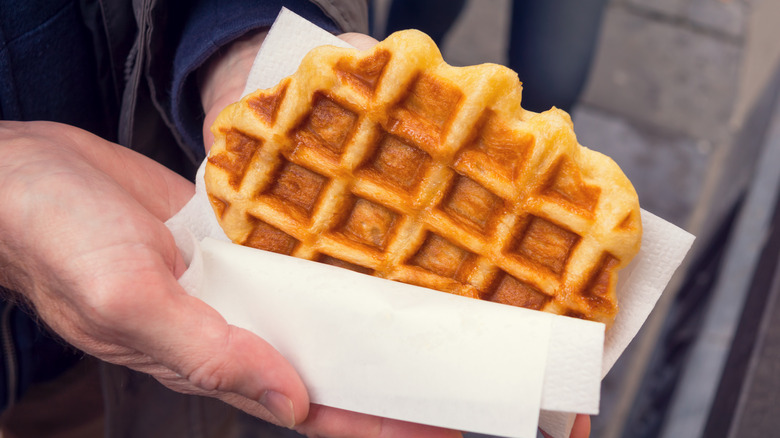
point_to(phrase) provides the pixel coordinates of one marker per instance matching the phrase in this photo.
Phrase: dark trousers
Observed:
(551, 42)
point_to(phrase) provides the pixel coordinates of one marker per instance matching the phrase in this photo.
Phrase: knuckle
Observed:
(210, 376)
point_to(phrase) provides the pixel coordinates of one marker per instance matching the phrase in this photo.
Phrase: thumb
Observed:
(211, 357)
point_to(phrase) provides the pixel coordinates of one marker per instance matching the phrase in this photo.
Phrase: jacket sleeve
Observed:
(207, 26)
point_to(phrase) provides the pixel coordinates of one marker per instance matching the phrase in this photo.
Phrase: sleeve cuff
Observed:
(210, 26)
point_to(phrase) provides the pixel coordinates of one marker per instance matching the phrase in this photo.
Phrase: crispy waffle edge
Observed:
(392, 163)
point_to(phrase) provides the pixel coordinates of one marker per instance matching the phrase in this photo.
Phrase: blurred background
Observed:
(683, 95)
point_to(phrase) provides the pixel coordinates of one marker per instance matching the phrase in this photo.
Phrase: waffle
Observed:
(390, 162)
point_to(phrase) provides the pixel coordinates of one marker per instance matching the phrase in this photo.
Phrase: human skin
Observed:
(222, 81)
(83, 243)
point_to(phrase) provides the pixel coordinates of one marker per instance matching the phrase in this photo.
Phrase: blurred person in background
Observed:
(551, 42)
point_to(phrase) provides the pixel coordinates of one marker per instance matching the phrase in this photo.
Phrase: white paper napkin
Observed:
(395, 350)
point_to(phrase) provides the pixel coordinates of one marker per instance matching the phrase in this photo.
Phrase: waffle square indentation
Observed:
(544, 244)
(564, 184)
(219, 205)
(269, 238)
(630, 222)
(365, 74)
(433, 99)
(471, 203)
(266, 106)
(297, 186)
(598, 286)
(397, 163)
(239, 149)
(510, 290)
(329, 125)
(496, 147)
(333, 261)
(369, 223)
(440, 256)
(425, 112)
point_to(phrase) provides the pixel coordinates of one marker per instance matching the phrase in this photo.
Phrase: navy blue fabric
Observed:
(551, 42)
(47, 66)
(39, 350)
(551, 49)
(212, 25)
(48, 71)
(39, 355)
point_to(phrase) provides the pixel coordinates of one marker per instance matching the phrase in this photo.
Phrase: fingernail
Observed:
(280, 406)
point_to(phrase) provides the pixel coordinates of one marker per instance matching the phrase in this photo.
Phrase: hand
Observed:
(83, 241)
(581, 428)
(223, 78)
(222, 81)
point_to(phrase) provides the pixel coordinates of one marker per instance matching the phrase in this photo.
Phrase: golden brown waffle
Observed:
(392, 163)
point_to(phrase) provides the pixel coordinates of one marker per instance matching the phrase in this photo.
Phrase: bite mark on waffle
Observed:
(392, 163)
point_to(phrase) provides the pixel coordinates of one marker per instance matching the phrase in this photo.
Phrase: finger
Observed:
(338, 423)
(581, 428)
(359, 40)
(192, 339)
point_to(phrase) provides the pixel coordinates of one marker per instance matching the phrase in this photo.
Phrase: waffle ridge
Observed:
(392, 163)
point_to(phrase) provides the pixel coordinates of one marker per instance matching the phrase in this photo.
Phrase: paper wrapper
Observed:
(384, 348)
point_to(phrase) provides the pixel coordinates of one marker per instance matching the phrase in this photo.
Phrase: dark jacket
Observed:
(123, 70)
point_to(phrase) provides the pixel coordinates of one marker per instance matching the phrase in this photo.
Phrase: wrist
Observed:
(222, 78)
(224, 75)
